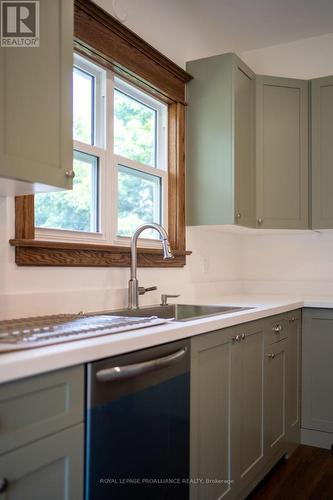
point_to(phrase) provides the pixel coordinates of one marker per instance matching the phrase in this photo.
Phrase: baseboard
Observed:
(317, 438)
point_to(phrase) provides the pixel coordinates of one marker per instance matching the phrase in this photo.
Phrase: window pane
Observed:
(134, 129)
(83, 106)
(139, 201)
(76, 210)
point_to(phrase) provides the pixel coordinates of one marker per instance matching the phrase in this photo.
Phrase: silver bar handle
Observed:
(127, 371)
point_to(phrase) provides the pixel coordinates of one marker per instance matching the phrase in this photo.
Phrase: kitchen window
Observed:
(119, 162)
(129, 156)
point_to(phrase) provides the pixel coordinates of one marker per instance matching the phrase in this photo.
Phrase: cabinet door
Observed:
(51, 468)
(293, 386)
(282, 153)
(210, 421)
(36, 105)
(247, 365)
(275, 398)
(244, 140)
(317, 375)
(322, 152)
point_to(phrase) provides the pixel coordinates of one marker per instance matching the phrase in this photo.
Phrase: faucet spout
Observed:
(133, 284)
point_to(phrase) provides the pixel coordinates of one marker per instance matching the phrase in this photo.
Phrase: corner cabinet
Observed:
(220, 139)
(282, 153)
(317, 377)
(42, 437)
(245, 394)
(36, 147)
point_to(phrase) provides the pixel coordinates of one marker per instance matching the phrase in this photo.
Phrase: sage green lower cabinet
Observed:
(210, 416)
(48, 469)
(275, 398)
(42, 436)
(245, 384)
(294, 372)
(317, 377)
(247, 399)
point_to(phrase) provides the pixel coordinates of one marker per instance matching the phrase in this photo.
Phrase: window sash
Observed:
(108, 162)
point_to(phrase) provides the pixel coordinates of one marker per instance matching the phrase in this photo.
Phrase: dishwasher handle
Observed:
(127, 371)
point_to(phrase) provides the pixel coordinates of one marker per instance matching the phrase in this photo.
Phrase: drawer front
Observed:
(277, 330)
(35, 407)
(51, 468)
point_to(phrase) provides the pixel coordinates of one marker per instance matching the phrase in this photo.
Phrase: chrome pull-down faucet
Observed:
(133, 284)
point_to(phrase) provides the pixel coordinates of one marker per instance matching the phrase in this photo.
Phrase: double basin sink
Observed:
(180, 312)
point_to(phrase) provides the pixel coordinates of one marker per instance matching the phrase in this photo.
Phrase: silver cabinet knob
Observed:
(238, 215)
(243, 336)
(271, 356)
(292, 319)
(260, 220)
(70, 174)
(277, 329)
(236, 338)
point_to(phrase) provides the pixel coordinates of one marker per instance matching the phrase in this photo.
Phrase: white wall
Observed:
(305, 59)
(294, 262)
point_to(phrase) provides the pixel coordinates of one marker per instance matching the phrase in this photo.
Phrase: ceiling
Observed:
(189, 29)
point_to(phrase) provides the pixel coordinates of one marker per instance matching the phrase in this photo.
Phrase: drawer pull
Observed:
(243, 336)
(292, 319)
(237, 338)
(271, 356)
(4, 483)
(277, 329)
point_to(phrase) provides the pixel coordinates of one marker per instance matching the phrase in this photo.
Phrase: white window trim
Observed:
(108, 162)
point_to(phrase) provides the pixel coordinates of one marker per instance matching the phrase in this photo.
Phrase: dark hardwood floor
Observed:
(306, 475)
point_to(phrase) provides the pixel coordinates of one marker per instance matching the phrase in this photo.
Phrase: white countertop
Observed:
(25, 363)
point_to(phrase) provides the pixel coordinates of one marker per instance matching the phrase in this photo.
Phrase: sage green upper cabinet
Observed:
(36, 147)
(282, 153)
(322, 152)
(221, 142)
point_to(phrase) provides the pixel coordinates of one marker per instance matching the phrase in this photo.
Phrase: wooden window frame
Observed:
(103, 39)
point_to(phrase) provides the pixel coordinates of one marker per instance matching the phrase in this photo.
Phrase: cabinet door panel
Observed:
(244, 145)
(275, 397)
(317, 379)
(210, 426)
(293, 376)
(35, 102)
(247, 404)
(51, 468)
(282, 153)
(322, 152)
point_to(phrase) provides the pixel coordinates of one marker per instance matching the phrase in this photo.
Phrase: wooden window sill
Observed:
(50, 253)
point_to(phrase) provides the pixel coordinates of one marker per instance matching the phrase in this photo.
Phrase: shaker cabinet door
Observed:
(244, 144)
(51, 468)
(322, 152)
(247, 397)
(210, 421)
(275, 398)
(282, 153)
(36, 144)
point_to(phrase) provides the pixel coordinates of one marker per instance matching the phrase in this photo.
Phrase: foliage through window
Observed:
(120, 163)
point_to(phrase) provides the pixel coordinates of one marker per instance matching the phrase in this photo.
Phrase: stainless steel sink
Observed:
(180, 312)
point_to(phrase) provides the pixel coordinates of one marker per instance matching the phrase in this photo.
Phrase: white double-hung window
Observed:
(119, 162)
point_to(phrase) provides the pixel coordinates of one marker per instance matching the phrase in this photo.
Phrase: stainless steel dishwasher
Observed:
(137, 438)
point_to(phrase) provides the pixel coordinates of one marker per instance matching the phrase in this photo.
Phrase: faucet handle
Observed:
(142, 290)
(165, 297)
